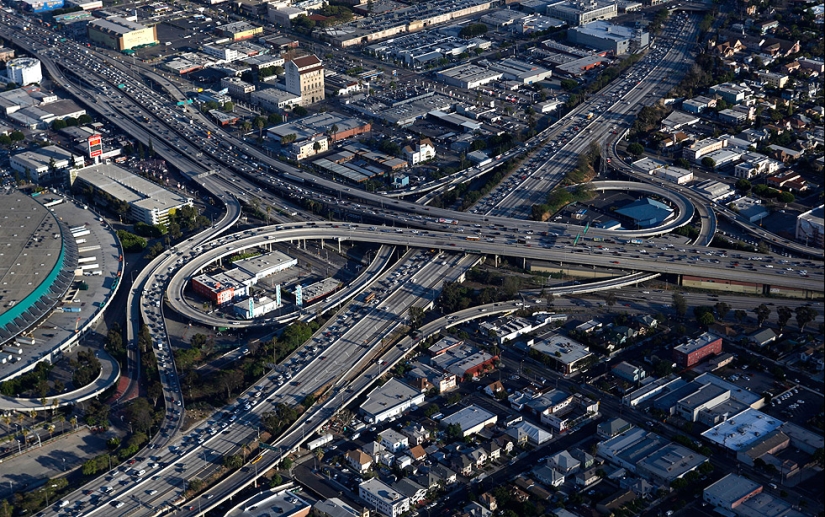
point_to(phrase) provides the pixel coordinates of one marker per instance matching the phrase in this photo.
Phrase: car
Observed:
(118, 504)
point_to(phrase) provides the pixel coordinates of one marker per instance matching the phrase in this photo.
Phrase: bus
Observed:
(369, 297)
(472, 238)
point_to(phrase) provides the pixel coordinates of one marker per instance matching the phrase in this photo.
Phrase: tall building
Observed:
(305, 77)
(24, 71)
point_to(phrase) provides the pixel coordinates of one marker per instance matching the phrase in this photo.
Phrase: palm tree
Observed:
(247, 125)
(73, 422)
(50, 428)
(319, 455)
(33, 414)
(7, 420)
(62, 420)
(25, 433)
(245, 450)
(20, 418)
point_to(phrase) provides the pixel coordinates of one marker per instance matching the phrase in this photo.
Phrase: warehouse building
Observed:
(731, 491)
(579, 12)
(568, 355)
(602, 35)
(121, 34)
(809, 227)
(36, 162)
(520, 71)
(238, 31)
(149, 202)
(255, 307)
(468, 76)
(264, 265)
(390, 400)
(471, 419)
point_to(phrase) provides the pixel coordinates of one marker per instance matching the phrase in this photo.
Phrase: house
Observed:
(394, 441)
(763, 337)
(359, 460)
(505, 442)
(494, 389)
(563, 462)
(416, 433)
(629, 372)
(374, 449)
(476, 510)
(488, 500)
(548, 476)
(417, 453)
(584, 458)
(612, 427)
(403, 461)
(410, 489)
(444, 475)
(463, 464)
(535, 434)
(492, 449)
(614, 501)
(479, 456)
(587, 477)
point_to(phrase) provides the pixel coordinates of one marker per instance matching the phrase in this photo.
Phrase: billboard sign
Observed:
(95, 146)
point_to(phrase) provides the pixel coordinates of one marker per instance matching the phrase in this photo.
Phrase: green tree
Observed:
(785, 197)
(635, 149)
(232, 461)
(708, 162)
(762, 312)
(740, 315)
(743, 185)
(679, 304)
(722, 309)
(804, 315)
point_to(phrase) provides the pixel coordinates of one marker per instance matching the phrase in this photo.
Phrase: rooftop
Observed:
(469, 417)
(569, 351)
(697, 343)
(603, 29)
(381, 491)
(740, 431)
(117, 25)
(263, 263)
(391, 394)
(131, 188)
(731, 488)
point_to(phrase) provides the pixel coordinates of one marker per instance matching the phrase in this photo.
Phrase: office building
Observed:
(24, 71)
(692, 352)
(568, 355)
(385, 499)
(579, 12)
(305, 78)
(121, 34)
(41, 6)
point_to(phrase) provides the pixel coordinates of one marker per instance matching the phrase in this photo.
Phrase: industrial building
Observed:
(36, 162)
(809, 227)
(24, 71)
(645, 213)
(468, 76)
(579, 12)
(220, 288)
(692, 352)
(274, 99)
(121, 34)
(464, 361)
(742, 430)
(520, 71)
(318, 290)
(471, 419)
(335, 125)
(731, 491)
(40, 6)
(149, 202)
(602, 35)
(238, 31)
(568, 355)
(390, 400)
(305, 78)
(255, 307)
(264, 265)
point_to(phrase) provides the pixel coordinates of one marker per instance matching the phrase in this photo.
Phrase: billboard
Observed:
(95, 146)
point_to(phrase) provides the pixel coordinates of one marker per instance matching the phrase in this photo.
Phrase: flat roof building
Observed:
(385, 499)
(471, 419)
(692, 352)
(121, 34)
(468, 76)
(389, 400)
(520, 71)
(731, 491)
(37, 161)
(579, 12)
(809, 227)
(568, 355)
(240, 30)
(149, 203)
(267, 264)
(602, 35)
(742, 430)
(671, 462)
(334, 507)
(646, 212)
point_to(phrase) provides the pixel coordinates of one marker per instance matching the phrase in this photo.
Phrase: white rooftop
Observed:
(740, 431)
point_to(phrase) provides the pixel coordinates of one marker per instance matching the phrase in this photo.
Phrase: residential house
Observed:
(444, 474)
(417, 434)
(488, 500)
(479, 456)
(403, 461)
(584, 458)
(476, 510)
(374, 449)
(615, 501)
(763, 337)
(417, 453)
(628, 372)
(548, 476)
(462, 464)
(492, 449)
(505, 442)
(564, 462)
(585, 478)
(394, 441)
(494, 389)
(613, 427)
(410, 489)
(359, 460)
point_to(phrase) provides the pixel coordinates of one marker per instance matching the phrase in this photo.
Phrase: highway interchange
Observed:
(219, 163)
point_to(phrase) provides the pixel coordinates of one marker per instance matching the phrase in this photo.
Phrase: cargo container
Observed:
(87, 267)
(81, 233)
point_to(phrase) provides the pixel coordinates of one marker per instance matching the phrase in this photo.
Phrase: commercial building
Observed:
(41, 6)
(255, 307)
(669, 463)
(809, 227)
(237, 87)
(579, 12)
(424, 377)
(568, 355)
(628, 372)
(305, 78)
(613, 427)
(334, 507)
(764, 445)
(471, 419)
(35, 163)
(274, 99)
(6, 54)
(731, 93)
(468, 76)
(424, 150)
(385, 499)
(334, 125)
(772, 79)
(149, 202)
(464, 361)
(264, 265)
(749, 208)
(692, 352)
(731, 491)
(238, 31)
(742, 430)
(319, 289)
(121, 34)
(602, 35)
(390, 400)
(520, 71)
(220, 289)
(24, 71)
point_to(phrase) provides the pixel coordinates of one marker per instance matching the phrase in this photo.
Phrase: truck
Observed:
(447, 221)
(320, 441)
(524, 240)
(85, 260)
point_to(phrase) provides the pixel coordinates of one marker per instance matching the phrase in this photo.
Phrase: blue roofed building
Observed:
(646, 212)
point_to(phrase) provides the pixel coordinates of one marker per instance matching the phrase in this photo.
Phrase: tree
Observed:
(635, 149)
(804, 315)
(708, 162)
(232, 461)
(706, 319)
(229, 106)
(785, 197)
(740, 315)
(722, 309)
(743, 186)
(610, 299)
(783, 316)
(762, 312)
(679, 304)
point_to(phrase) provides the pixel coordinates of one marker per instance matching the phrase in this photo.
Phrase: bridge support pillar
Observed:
(495, 260)
(339, 246)
(523, 262)
(322, 243)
